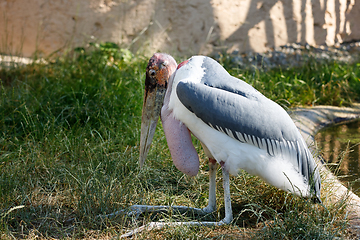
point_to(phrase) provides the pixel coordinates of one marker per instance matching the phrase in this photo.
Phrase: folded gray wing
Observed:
(251, 117)
(248, 117)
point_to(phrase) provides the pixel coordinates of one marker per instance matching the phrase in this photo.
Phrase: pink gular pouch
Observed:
(178, 137)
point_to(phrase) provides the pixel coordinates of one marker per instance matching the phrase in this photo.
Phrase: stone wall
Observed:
(179, 27)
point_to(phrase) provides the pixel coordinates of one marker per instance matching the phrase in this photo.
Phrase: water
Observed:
(340, 146)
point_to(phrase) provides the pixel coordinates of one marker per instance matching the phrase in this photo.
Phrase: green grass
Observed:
(69, 149)
(315, 83)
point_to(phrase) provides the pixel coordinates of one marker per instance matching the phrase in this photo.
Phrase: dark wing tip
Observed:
(316, 199)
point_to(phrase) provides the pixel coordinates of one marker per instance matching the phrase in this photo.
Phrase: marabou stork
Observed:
(238, 127)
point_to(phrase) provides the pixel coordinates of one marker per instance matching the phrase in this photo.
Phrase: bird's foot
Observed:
(209, 209)
(139, 209)
(136, 210)
(226, 220)
(160, 225)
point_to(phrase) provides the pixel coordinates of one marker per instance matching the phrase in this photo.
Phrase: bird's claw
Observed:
(135, 212)
(225, 221)
(208, 209)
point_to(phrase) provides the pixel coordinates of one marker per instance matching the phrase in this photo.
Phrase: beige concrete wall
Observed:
(179, 27)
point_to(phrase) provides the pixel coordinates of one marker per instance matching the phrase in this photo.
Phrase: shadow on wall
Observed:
(45, 27)
(274, 23)
(183, 27)
(179, 27)
(191, 27)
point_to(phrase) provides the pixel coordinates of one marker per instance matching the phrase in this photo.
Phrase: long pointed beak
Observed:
(158, 72)
(153, 101)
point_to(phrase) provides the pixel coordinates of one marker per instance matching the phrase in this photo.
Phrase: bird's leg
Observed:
(227, 198)
(211, 207)
(228, 211)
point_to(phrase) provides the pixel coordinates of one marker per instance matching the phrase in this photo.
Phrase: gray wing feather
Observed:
(241, 115)
(249, 117)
